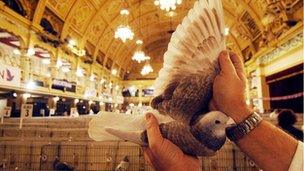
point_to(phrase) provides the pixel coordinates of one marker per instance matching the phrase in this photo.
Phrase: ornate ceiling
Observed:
(92, 24)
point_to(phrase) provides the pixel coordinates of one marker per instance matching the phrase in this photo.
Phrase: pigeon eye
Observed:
(217, 122)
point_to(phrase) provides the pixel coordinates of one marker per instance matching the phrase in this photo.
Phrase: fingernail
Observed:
(148, 116)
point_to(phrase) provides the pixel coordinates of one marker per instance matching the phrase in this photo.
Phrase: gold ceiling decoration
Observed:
(92, 23)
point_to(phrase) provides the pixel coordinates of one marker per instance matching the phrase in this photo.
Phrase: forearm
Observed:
(269, 147)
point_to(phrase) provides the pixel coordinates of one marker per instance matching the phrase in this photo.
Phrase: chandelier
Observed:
(146, 69)
(140, 56)
(124, 31)
(167, 4)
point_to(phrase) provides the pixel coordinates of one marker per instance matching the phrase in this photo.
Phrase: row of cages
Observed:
(104, 157)
(44, 106)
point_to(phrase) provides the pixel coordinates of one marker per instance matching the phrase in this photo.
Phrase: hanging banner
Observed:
(293, 96)
(9, 76)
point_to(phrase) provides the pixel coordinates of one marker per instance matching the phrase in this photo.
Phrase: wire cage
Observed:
(103, 156)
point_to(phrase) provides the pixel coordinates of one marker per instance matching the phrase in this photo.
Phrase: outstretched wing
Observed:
(184, 85)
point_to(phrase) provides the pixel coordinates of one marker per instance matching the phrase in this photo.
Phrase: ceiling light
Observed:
(167, 4)
(124, 33)
(140, 56)
(226, 31)
(72, 42)
(30, 52)
(79, 72)
(15, 94)
(81, 52)
(30, 85)
(114, 71)
(124, 12)
(139, 42)
(146, 69)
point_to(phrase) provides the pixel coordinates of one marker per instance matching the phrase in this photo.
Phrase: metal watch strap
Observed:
(238, 131)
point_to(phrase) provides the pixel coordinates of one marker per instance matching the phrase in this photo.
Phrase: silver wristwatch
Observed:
(238, 131)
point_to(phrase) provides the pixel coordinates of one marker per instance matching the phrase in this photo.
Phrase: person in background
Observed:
(269, 147)
(286, 120)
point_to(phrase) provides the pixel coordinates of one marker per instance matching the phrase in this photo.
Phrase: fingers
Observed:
(226, 64)
(154, 136)
(148, 155)
(238, 65)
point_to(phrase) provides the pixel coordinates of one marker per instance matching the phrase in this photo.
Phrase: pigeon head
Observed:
(210, 129)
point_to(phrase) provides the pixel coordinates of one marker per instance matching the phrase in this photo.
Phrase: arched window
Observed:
(16, 6)
(47, 26)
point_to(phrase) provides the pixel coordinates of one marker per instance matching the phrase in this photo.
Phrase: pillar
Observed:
(25, 67)
(140, 95)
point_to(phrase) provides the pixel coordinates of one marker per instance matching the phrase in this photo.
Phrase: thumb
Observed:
(154, 135)
(226, 64)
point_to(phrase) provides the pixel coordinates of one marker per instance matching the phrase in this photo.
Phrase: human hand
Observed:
(162, 154)
(229, 88)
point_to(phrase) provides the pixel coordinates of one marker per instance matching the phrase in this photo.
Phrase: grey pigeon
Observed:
(183, 89)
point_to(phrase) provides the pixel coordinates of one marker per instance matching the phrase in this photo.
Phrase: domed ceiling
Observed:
(92, 23)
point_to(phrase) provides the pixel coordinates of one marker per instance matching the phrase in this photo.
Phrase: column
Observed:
(25, 67)
(140, 95)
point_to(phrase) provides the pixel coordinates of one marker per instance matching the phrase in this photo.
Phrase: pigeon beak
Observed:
(230, 122)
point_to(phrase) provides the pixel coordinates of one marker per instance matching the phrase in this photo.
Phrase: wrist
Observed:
(240, 113)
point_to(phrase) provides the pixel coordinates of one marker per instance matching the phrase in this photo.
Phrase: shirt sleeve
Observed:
(297, 161)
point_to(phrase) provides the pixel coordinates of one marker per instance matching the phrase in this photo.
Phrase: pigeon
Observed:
(61, 166)
(183, 89)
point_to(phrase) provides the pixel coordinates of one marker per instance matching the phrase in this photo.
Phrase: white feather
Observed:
(100, 125)
(195, 44)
